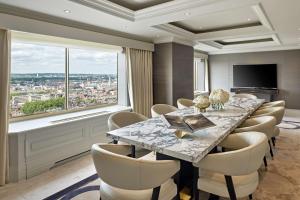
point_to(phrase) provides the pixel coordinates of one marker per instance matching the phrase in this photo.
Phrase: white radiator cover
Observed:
(35, 151)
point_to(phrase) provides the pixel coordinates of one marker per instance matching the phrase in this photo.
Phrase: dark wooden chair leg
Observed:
(115, 141)
(265, 162)
(195, 183)
(273, 141)
(213, 197)
(132, 151)
(155, 193)
(271, 150)
(176, 178)
(230, 187)
(250, 196)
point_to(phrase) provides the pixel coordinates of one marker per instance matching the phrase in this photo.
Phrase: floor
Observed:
(281, 181)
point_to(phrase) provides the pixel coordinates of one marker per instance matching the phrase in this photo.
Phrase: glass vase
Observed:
(217, 106)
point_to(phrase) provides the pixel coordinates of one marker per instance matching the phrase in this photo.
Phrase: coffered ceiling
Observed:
(215, 26)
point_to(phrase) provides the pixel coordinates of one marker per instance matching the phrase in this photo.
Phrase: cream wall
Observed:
(35, 26)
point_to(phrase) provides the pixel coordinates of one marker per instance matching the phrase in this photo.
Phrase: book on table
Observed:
(188, 123)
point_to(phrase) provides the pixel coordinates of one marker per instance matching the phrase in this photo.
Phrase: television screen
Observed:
(255, 76)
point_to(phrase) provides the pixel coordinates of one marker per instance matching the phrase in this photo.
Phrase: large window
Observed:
(50, 79)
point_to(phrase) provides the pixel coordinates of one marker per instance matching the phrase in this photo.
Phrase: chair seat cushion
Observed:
(149, 156)
(168, 191)
(276, 131)
(215, 183)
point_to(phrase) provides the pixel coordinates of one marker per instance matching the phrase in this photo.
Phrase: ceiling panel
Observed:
(138, 4)
(230, 19)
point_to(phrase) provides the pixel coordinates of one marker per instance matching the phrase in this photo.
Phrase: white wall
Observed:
(34, 26)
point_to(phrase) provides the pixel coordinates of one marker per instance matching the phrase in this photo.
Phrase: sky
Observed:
(33, 58)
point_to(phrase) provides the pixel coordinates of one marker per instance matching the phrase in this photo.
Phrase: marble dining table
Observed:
(154, 135)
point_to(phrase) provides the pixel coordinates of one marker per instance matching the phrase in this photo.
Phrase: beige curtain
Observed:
(139, 77)
(4, 102)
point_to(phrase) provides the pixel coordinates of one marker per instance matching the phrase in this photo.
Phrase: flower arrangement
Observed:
(218, 98)
(201, 102)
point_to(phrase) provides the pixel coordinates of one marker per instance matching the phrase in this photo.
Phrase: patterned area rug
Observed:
(281, 180)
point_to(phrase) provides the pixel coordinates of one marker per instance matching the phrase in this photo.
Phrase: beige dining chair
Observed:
(274, 104)
(233, 174)
(184, 103)
(245, 95)
(125, 118)
(161, 109)
(125, 178)
(277, 112)
(264, 124)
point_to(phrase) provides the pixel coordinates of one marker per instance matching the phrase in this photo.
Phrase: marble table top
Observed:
(154, 135)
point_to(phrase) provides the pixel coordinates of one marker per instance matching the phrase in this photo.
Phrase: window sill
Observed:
(45, 122)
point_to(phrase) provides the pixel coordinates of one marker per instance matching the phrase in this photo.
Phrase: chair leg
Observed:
(271, 151)
(265, 162)
(195, 183)
(250, 196)
(273, 141)
(155, 193)
(213, 197)
(230, 187)
(132, 151)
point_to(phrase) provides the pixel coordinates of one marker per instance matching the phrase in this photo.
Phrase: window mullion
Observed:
(67, 79)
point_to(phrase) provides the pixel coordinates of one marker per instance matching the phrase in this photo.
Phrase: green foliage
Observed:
(42, 106)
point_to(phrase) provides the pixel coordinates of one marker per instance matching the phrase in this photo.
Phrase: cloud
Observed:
(33, 58)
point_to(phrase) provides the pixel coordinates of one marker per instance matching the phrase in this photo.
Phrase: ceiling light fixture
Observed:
(67, 11)
(187, 13)
(248, 19)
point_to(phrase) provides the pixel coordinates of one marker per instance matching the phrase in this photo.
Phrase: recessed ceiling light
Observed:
(187, 13)
(67, 11)
(200, 27)
(248, 19)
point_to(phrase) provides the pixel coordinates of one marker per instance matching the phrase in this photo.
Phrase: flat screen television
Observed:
(255, 76)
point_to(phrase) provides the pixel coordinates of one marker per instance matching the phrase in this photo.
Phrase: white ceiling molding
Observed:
(233, 33)
(255, 49)
(108, 7)
(262, 16)
(175, 30)
(276, 39)
(200, 55)
(213, 44)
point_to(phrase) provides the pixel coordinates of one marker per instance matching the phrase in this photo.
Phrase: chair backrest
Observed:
(277, 112)
(274, 104)
(184, 103)
(129, 173)
(124, 118)
(264, 124)
(161, 109)
(245, 95)
(245, 160)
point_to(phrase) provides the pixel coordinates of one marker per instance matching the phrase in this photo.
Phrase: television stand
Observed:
(269, 94)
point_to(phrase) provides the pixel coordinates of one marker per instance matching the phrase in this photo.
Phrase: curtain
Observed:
(139, 78)
(4, 102)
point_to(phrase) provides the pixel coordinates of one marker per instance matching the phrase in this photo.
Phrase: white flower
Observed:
(219, 96)
(201, 101)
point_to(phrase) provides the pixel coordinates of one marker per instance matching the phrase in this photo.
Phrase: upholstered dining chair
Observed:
(125, 178)
(233, 174)
(161, 109)
(245, 95)
(264, 124)
(125, 118)
(274, 104)
(184, 103)
(277, 112)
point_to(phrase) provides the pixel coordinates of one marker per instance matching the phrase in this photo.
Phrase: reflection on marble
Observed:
(154, 135)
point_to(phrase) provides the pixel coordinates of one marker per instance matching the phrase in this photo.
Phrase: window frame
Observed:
(66, 107)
